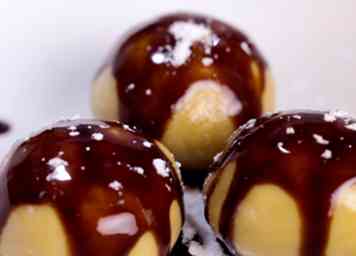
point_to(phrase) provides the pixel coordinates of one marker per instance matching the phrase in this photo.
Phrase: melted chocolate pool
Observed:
(156, 65)
(91, 172)
(308, 154)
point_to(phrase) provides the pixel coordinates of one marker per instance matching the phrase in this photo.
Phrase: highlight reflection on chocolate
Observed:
(185, 76)
(91, 188)
(286, 185)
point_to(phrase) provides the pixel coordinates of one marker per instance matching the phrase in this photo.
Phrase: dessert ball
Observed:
(4, 127)
(286, 185)
(187, 80)
(89, 188)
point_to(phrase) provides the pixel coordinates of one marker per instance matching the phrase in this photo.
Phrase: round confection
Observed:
(86, 187)
(4, 127)
(187, 80)
(286, 185)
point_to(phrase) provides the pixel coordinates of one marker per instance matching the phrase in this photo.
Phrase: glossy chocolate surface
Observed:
(4, 127)
(92, 172)
(157, 64)
(308, 154)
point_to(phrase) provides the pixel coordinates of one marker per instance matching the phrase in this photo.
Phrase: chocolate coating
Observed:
(88, 170)
(155, 66)
(307, 154)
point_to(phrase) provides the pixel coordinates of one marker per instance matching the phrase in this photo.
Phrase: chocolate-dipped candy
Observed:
(286, 185)
(4, 127)
(88, 188)
(187, 80)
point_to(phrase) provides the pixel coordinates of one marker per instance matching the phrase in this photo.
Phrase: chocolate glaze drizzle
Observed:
(4, 127)
(90, 171)
(156, 65)
(308, 154)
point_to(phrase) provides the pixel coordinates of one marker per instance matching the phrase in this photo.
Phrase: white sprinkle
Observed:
(148, 92)
(72, 128)
(97, 136)
(297, 117)
(282, 149)
(59, 170)
(228, 49)
(329, 117)
(130, 87)
(342, 138)
(332, 115)
(123, 223)
(161, 167)
(290, 130)
(115, 185)
(320, 140)
(351, 126)
(82, 168)
(74, 133)
(87, 148)
(60, 153)
(43, 159)
(341, 114)
(246, 48)
(206, 61)
(186, 34)
(126, 127)
(56, 161)
(138, 169)
(89, 126)
(327, 154)
(158, 58)
(147, 144)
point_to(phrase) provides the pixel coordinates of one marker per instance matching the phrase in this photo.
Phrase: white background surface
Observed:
(50, 50)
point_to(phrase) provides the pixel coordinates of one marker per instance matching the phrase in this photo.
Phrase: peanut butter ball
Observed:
(186, 80)
(86, 187)
(286, 185)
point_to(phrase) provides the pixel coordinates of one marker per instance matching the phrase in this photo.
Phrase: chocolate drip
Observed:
(307, 154)
(4, 127)
(89, 171)
(152, 73)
